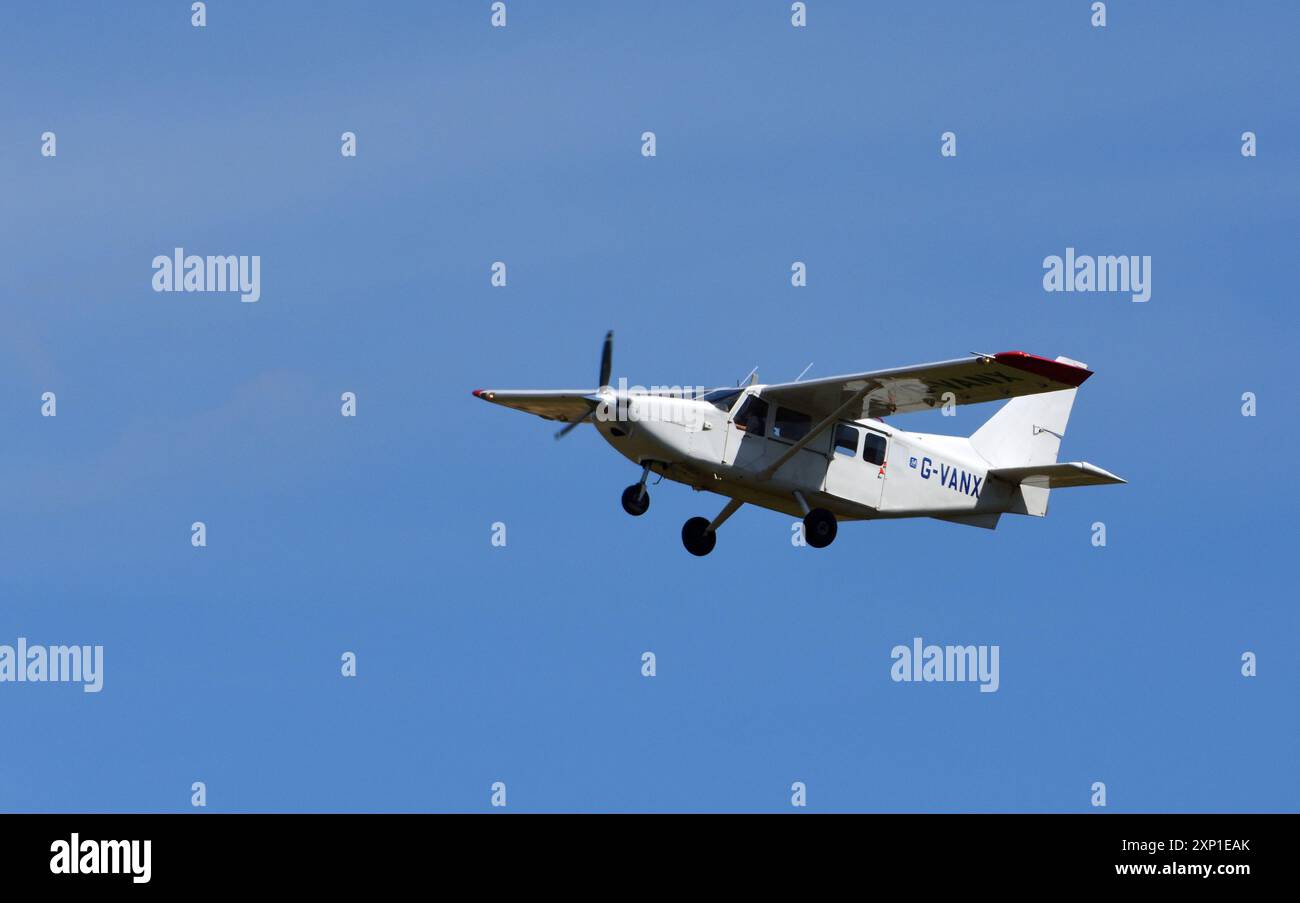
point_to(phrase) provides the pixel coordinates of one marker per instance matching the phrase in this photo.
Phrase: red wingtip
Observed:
(478, 393)
(1058, 371)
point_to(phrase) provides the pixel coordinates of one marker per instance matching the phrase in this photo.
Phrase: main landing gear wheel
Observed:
(636, 499)
(819, 528)
(697, 537)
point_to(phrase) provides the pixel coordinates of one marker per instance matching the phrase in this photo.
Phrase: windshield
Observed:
(722, 399)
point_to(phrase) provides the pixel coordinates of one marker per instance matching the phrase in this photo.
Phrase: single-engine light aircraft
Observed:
(821, 450)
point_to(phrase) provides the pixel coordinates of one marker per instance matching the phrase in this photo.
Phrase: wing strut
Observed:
(731, 508)
(815, 432)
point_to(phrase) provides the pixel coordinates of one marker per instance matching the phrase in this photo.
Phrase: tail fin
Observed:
(1027, 431)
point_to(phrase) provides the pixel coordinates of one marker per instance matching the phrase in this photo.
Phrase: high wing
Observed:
(1057, 476)
(971, 380)
(568, 405)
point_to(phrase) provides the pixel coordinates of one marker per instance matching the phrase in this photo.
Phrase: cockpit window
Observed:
(752, 416)
(790, 425)
(722, 399)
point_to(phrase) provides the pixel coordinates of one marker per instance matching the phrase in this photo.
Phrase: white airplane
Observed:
(821, 450)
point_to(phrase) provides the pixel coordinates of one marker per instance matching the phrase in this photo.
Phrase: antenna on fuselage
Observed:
(750, 379)
(805, 370)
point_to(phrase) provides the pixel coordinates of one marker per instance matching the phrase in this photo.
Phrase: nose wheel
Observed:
(819, 528)
(636, 499)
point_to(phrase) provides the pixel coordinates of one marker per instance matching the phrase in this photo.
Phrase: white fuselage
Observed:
(856, 469)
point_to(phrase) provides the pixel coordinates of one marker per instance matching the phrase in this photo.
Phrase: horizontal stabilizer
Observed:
(1056, 476)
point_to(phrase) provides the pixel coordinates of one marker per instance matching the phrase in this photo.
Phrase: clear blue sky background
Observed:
(522, 663)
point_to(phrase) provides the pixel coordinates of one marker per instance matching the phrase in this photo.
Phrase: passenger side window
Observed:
(873, 448)
(752, 416)
(790, 425)
(846, 440)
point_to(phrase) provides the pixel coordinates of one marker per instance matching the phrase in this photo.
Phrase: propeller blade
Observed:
(606, 359)
(570, 427)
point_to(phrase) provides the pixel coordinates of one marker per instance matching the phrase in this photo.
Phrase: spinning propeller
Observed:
(606, 365)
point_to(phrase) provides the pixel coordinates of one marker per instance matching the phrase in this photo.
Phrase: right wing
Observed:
(567, 405)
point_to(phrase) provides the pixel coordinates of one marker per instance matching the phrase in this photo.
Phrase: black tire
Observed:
(636, 500)
(819, 528)
(697, 537)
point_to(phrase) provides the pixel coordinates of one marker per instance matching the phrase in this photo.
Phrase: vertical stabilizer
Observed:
(1027, 431)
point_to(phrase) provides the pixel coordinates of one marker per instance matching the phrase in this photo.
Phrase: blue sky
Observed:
(522, 664)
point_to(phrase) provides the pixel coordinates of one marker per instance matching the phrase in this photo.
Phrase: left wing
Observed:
(971, 380)
(568, 405)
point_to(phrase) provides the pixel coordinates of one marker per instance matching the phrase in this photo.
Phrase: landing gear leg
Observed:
(636, 500)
